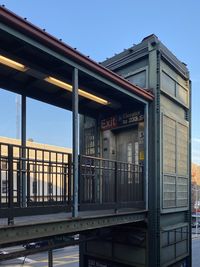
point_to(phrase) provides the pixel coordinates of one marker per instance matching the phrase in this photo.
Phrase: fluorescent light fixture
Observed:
(92, 97)
(12, 64)
(81, 92)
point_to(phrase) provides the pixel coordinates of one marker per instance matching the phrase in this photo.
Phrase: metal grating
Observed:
(169, 146)
(182, 149)
(169, 191)
(182, 191)
(175, 163)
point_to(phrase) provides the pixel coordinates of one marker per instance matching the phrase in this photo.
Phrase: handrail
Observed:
(103, 183)
(110, 160)
(33, 148)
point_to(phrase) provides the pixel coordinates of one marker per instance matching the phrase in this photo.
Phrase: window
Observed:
(168, 84)
(137, 174)
(169, 191)
(182, 94)
(136, 153)
(89, 141)
(139, 79)
(130, 153)
(130, 161)
(172, 87)
(4, 186)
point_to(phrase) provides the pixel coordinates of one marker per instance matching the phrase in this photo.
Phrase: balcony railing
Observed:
(48, 182)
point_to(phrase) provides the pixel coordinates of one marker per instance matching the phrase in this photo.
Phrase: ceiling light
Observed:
(81, 92)
(13, 64)
(59, 83)
(93, 97)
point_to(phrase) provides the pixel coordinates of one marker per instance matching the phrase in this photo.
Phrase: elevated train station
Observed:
(126, 185)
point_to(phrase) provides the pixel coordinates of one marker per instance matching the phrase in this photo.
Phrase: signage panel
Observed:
(121, 120)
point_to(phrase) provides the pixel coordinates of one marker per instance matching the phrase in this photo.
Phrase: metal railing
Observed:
(47, 178)
(108, 183)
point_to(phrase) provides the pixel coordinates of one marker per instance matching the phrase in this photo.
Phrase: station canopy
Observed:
(38, 65)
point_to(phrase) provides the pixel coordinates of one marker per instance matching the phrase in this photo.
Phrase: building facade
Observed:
(164, 240)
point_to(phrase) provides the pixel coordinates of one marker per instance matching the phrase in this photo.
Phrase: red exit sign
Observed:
(127, 118)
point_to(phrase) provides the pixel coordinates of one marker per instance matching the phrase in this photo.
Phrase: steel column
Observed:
(146, 149)
(10, 185)
(50, 258)
(154, 161)
(75, 142)
(23, 143)
(189, 260)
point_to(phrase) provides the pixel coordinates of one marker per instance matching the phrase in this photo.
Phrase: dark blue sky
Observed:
(100, 28)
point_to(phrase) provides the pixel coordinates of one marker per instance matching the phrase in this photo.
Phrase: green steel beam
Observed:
(31, 231)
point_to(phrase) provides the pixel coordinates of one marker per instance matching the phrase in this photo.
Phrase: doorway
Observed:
(127, 156)
(127, 148)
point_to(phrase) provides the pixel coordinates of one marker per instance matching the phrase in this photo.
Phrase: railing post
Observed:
(10, 185)
(69, 179)
(80, 181)
(65, 183)
(28, 183)
(116, 188)
(94, 182)
(18, 182)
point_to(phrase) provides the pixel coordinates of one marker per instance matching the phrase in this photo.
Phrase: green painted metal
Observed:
(23, 143)
(25, 232)
(155, 54)
(75, 142)
(45, 49)
(164, 103)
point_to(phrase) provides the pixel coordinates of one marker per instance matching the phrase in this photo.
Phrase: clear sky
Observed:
(100, 28)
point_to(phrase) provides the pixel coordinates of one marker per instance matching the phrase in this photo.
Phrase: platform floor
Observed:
(29, 228)
(46, 218)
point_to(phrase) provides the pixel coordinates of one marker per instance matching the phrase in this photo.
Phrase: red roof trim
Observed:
(35, 32)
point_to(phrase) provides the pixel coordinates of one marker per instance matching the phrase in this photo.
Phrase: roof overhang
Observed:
(44, 56)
